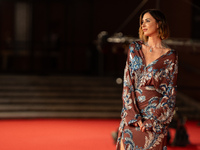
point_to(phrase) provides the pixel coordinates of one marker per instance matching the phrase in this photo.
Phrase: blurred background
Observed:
(68, 51)
(65, 58)
(58, 37)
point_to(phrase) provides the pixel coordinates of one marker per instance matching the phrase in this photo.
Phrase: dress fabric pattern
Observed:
(149, 94)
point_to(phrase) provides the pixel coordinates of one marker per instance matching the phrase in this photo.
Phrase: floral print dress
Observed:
(149, 94)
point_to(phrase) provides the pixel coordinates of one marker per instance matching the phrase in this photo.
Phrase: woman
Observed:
(149, 88)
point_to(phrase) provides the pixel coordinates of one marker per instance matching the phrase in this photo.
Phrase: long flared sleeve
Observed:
(130, 111)
(165, 83)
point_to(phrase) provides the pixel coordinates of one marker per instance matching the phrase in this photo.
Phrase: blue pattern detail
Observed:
(131, 49)
(138, 90)
(129, 133)
(150, 69)
(141, 98)
(132, 121)
(135, 63)
(137, 46)
(153, 99)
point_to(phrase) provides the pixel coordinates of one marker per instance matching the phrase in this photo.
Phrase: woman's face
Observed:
(149, 25)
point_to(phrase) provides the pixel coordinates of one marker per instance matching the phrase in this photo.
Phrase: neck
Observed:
(154, 42)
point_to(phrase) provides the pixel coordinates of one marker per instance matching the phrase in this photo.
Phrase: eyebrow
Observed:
(146, 18)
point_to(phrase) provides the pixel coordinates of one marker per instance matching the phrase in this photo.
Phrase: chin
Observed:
(146, 34)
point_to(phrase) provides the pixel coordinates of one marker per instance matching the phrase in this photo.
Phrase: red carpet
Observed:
(64, 134)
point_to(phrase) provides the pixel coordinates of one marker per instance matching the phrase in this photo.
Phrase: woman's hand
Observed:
(140, 124)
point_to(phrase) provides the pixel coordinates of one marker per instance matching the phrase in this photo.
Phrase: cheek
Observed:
(153, 28)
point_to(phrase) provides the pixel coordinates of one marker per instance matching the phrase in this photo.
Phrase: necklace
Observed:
(152, 47)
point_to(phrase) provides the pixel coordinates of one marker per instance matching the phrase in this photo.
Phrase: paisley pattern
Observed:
(149, 94)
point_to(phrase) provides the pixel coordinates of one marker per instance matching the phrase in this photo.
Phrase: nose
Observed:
(143, 24)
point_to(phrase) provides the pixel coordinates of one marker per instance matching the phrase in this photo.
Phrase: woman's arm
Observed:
(131, 111)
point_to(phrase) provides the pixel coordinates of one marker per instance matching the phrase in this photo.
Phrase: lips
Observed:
(144, 30)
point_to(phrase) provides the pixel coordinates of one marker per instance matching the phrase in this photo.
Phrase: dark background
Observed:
(58, 37)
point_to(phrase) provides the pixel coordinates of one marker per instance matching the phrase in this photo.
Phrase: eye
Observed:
(147, 20)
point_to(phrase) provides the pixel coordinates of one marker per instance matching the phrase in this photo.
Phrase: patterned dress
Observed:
(149, 94)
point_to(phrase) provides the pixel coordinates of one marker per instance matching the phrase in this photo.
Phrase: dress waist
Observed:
(147, 95)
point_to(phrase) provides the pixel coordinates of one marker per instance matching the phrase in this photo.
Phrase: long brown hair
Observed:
(160, 18)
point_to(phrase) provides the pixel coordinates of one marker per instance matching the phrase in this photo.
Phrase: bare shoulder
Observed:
(167, 50)
(144, 47)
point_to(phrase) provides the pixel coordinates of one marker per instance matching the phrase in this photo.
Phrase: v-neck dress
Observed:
(149, 94)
